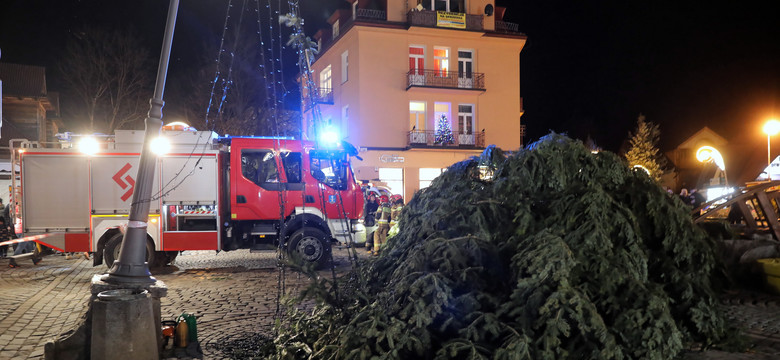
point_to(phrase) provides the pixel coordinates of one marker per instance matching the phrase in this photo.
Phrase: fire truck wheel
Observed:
(310, 245)
(114, 244)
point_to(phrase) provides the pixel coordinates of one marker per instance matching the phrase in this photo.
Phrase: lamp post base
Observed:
(128, 274)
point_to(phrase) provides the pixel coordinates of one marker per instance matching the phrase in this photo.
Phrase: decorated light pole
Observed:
(771, 128)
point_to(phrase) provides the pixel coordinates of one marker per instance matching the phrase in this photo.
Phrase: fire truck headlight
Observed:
(160, 146)
(89, 145)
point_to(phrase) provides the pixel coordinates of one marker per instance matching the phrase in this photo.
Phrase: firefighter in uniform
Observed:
(382, 217)
(395, 211)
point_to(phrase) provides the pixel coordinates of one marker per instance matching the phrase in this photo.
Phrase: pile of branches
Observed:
(553, 252)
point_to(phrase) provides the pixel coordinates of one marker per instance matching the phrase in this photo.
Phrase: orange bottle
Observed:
(182, 332)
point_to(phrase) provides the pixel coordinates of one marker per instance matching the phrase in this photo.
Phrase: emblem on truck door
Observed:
(124, 185)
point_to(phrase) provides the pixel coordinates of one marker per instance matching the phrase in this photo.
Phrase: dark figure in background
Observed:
(5, 235)
(371, 207)
(685, 197)
(7, 215)
(697, 198)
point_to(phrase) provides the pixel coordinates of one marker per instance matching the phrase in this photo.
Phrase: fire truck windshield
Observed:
(330, 168)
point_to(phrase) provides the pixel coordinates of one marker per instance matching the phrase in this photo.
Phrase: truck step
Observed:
(262, 247)
(264, 229)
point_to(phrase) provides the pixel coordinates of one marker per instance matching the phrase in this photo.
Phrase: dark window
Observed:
(292, 166)
(329, 168)
(259, 166)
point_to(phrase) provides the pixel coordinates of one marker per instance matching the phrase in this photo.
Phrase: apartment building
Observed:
(418, 85)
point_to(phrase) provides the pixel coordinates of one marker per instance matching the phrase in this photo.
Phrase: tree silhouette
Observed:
(110, 73)
(643, 151)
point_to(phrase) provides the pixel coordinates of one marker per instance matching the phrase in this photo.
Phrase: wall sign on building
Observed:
(450, 19)
(391, 158)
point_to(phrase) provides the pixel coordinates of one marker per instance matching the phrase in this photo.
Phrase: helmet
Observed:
(395, 198)
(383, 199)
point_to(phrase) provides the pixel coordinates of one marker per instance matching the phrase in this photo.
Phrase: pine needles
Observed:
(559, 254)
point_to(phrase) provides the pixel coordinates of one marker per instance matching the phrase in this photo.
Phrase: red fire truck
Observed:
(210, 193)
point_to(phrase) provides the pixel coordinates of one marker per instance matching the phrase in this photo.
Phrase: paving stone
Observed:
(234, 293)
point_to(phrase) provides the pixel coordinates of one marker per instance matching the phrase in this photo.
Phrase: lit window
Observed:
(416, 60)
(417, 115)
(325, 80)
(394, 178)
(441, 64)
(336, 29)
(427, 175)
(344, 66)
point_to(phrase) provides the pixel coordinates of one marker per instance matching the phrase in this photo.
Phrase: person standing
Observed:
(395, 212)
(383, 215)
(371, 207)
(5, 235)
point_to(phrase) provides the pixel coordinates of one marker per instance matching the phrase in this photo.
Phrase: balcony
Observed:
(427, 138)
(320, 96)
(445, 79)
(427, 18)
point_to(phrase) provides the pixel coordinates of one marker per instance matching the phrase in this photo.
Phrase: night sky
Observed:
(588, 69)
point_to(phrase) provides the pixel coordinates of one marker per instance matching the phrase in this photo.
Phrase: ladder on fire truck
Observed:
(16, 146)
(305, 49)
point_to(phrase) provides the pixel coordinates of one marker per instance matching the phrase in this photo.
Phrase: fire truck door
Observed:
(256, 185)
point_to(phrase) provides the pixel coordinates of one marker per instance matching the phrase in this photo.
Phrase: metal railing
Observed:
(370, 14)
(503, 26)
(445, 79)
(322, 96)
(428, 138)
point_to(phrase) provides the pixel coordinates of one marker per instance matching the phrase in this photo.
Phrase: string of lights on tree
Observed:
(443, 133)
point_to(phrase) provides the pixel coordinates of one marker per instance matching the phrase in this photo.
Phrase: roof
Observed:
(705, 136)
(23, 80)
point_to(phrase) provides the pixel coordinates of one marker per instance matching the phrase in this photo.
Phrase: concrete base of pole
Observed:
(123, 326)
(77, 344)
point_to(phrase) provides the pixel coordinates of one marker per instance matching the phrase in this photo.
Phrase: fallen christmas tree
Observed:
(551, 253)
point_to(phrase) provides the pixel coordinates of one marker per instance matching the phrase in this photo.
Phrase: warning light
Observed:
(160, 146)
(89, 145)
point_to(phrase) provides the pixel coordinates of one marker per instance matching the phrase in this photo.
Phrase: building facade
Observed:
(418, 86)
(29, 111)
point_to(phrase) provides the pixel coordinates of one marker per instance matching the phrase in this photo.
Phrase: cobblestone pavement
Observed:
(233, 294)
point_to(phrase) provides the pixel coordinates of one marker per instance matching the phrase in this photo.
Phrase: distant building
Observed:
(745, 159)
(29, 111)
(395, 77)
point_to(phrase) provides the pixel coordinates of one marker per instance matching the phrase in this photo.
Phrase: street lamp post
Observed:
(772, 127)
(131, 268)
(710, 154)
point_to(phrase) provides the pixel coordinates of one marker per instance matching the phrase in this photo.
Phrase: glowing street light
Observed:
(710, 154)
(640, 167)
(772, 127)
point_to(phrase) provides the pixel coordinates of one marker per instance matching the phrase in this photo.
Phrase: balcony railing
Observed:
(371, 15)
(445, 79)
(502, 26)
(427, 18)
(428, 138)
(320, 96)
